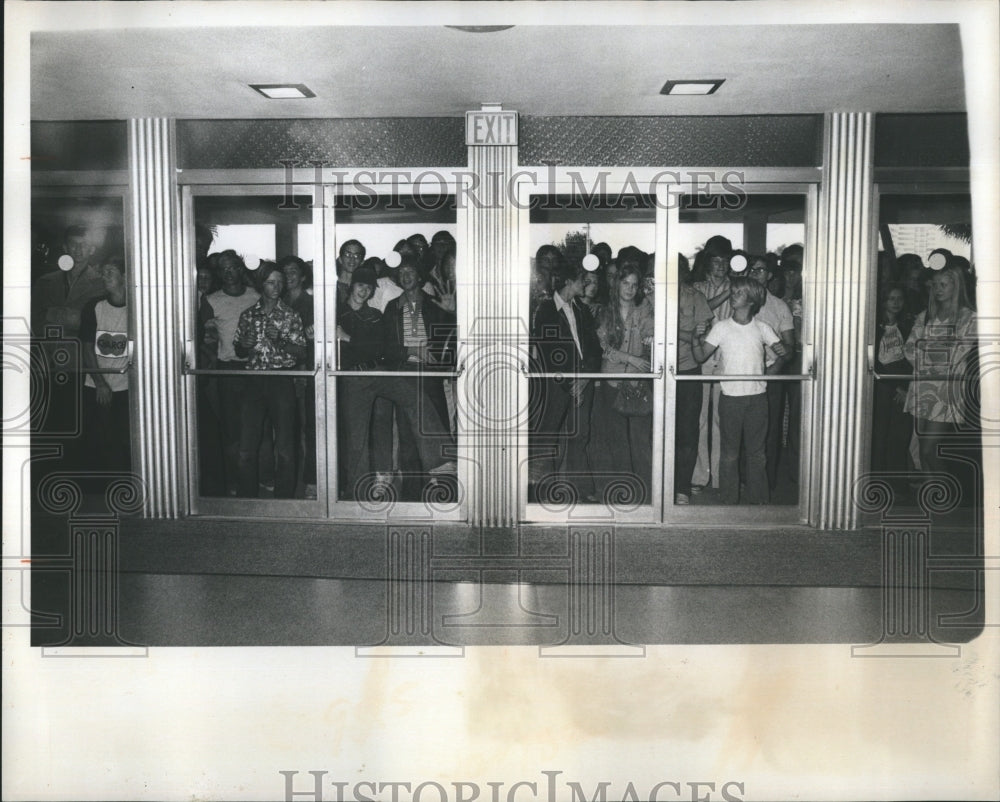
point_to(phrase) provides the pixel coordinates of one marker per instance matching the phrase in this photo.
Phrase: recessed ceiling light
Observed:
(283, 91)
(699, 87)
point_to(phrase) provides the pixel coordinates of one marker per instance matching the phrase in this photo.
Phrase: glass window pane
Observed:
(248, 240)
(256, 430)
(591, 438)
(739, 314)
(82, 327)
(925, 405)
(396, 314)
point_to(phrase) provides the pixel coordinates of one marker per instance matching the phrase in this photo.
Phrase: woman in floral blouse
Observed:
(270, 337)
(939, 347)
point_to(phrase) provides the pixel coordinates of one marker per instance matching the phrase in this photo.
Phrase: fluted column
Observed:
(157, 315)
(487, 391)
(840, 278)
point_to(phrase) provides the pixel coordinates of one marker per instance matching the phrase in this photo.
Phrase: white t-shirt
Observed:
(226, 309)
(742, 351)
(776, 314)
(110, 344)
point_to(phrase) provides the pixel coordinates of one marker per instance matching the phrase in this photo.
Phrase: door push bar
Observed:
(609, 376)
(948, 377)
(425, 373)
(732, 377)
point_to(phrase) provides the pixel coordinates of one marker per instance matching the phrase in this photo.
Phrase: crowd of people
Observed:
(257, 432)
(925, 360)
(396, 329)
(593, 435)
(739, 314)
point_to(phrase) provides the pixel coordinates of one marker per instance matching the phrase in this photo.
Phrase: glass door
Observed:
(594, 318)
(82, 343)
(922, 354)
(254, 283)
(739, 356)
(392, 356)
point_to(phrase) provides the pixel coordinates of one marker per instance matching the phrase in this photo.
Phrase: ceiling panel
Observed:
(418, 71)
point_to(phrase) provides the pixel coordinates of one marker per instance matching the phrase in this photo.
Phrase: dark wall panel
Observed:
(758, 141)
(921, 140)
(383, 142)
(765, 141)
(79, 145)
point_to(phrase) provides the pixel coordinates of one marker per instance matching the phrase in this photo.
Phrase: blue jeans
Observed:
(743, 418)
(688, 411)
(422, 428)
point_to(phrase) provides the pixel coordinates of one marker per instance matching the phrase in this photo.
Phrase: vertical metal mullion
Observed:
(852, 331)
(861, 308)
(824, 275)
(329, 262)
(840, 244)
(665, 309)
(142, 311)
(191, 416)
(809, 392)
(320, 346)
(845, 253)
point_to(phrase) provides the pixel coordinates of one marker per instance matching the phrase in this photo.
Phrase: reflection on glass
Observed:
(926, 327)
(80, 320)
(590, 440)
(396, 312)
(739, 314)
(256, 432)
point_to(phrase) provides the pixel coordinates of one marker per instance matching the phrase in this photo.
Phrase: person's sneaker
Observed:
(696, 489)
(683, 498)
(445, 468)
(310, 491)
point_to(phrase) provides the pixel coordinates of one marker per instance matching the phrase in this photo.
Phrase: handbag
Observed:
(634, 398)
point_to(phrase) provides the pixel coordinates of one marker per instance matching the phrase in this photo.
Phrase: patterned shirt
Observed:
(939, 352)
(414, 332)
(266, 353)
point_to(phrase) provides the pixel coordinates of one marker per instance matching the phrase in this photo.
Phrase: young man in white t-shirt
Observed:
(104, 334)
(747, 347)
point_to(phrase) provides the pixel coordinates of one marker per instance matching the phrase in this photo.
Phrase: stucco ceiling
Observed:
(537, 70)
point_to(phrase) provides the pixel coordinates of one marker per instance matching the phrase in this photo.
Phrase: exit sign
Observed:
(490, 128)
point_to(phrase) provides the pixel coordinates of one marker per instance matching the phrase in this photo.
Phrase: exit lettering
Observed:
(491, 128)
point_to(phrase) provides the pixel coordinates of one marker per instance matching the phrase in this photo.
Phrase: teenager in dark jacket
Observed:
(418, 334)
(564, 340)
